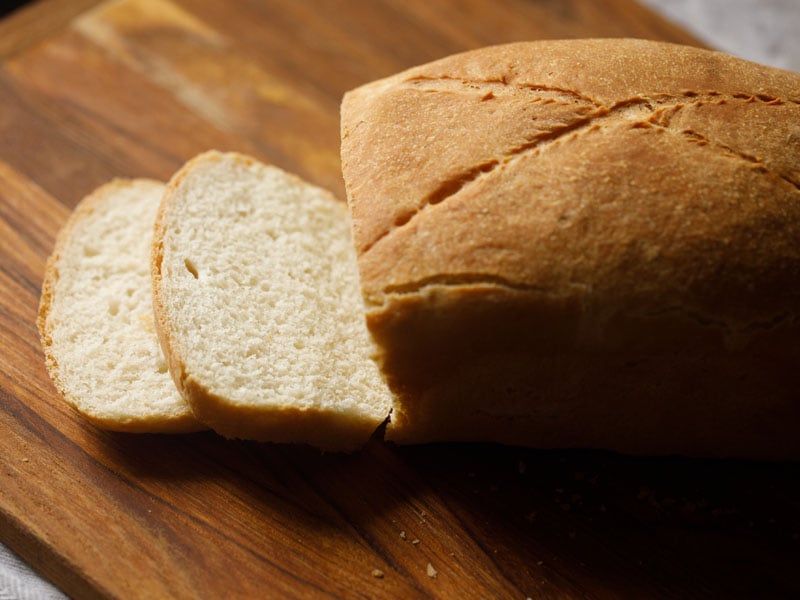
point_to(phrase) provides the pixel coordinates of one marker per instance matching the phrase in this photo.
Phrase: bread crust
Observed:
(588, 243)
(171, 350)
(184, 422)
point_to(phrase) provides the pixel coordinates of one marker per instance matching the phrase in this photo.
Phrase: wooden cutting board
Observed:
(136, 87)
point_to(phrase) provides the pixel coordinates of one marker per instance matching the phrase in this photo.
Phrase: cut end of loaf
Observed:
(259, 309)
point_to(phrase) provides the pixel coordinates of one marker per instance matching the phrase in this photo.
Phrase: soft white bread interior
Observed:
(589, 243)
(96, 315)
(258, 306)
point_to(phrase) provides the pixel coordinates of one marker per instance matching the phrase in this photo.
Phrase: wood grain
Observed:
(36, 21)
(136, 87)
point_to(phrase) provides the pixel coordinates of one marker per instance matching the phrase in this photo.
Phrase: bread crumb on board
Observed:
(403, 535)
(432, 573)
(377, 573)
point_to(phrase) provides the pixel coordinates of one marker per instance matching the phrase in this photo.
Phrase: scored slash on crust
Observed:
(644, 112)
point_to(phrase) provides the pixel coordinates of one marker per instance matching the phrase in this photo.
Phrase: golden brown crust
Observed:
(638, 202)
(328, 430)
(160, 316)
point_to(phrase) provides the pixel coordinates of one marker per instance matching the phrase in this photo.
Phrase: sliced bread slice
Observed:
(258, 306)
(96, 315)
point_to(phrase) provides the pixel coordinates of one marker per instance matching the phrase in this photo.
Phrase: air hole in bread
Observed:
(113, 307)
(190, 267)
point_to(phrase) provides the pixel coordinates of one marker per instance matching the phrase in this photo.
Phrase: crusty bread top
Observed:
(96, 314)
(258, 306)
(629, 174)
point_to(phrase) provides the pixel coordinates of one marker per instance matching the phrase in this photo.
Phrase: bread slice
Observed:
(590, 243)
(258, 306)
(96, 315)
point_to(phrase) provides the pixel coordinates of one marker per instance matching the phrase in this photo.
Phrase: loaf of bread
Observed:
(258, 306)
(96, 315)
(586, 243)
